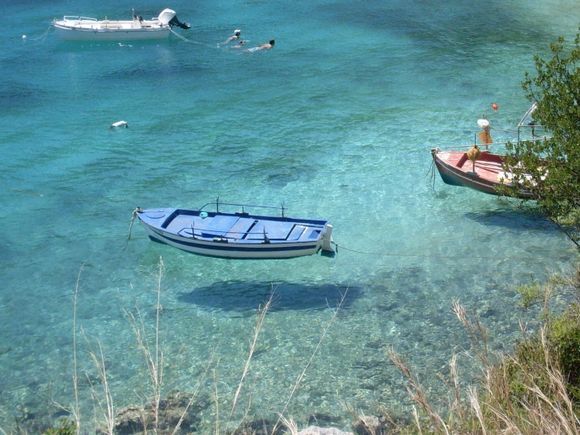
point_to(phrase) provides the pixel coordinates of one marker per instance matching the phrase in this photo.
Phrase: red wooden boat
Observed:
(485, 175)
(483, 170)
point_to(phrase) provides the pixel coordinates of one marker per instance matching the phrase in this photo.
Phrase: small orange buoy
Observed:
(494, 106)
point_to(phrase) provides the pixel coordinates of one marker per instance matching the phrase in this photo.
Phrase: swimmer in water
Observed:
(240, 44)
(266, 46)
(233, 37)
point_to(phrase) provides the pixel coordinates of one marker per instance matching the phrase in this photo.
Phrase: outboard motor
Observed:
(168, 16)
(175, 22)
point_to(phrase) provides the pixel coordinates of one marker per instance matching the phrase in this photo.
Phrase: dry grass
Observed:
(76, 410)
(262, 311)
(153, 358)
(310, 360)
(104, 399)
(523, 394)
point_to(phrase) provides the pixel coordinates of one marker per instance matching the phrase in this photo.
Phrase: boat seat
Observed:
(462, 160)
(296, 232)
(218, 225)
(240, 228)
(257, 232)
(314, 234)
(274, 231)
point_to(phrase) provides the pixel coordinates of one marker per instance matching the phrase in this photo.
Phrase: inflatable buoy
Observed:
(494, 106)
(120, 124)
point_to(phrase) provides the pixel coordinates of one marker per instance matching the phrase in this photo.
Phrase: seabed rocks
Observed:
(137, 420)
(177, 405)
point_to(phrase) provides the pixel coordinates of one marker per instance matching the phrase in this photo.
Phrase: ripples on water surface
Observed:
(336, 122)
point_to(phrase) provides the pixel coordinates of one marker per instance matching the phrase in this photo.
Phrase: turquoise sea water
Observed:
(335, 122)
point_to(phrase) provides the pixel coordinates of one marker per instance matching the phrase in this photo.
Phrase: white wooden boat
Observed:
(79, 28)
(237, 235)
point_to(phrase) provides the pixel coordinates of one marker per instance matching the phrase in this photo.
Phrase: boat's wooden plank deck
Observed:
(242, 228)
(485, 167)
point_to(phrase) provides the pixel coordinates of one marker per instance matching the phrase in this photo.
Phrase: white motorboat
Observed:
(79, 28)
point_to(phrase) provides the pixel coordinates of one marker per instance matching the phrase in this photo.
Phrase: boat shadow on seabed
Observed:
(242, 296)
(517, 219)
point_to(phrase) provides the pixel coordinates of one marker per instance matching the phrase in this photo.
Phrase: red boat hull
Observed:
(486, 176)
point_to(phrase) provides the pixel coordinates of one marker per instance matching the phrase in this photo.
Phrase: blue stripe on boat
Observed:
(226, 247)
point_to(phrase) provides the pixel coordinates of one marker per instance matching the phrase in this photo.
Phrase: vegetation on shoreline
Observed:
(534, 390)
(549, 167)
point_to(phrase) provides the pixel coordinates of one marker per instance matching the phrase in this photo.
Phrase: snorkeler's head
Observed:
(272, 42)
(237, 32)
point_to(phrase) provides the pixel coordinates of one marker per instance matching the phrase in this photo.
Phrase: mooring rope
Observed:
(431, 175)
(190, 41)
(399, 255)
(38, 38)
(133, 216)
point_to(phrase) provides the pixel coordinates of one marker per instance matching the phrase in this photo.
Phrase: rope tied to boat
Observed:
(134, 214)
(403, 255)
(38, 38)
(431, 174)
(190, 41)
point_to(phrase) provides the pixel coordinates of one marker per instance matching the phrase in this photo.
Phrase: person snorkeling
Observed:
(234, 37)
(240, 44)
(266, 46)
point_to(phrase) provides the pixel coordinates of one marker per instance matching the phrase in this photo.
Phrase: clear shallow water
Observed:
(336, 122)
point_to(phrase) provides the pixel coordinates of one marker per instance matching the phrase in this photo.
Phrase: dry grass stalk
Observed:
(417, 420)
(193, 397)
(259, 323)
(416, 392)
(476, 331)
(99, 361)
(524, 394)
(76, 411)
(216, 402)
(157, 374)
(289, 424)
(368, 428)
(474, 401)
(509, 426)
(456, 408)
(560, 409)
(154, 360)
(549, 289)
(545, 406)
(303, 373)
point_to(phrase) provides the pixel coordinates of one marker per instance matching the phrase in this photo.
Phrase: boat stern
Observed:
(327, 242)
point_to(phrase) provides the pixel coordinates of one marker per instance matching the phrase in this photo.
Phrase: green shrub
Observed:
(65, 427)
(564, 338)
(530, 294)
